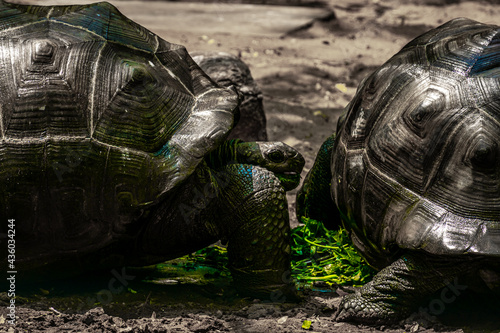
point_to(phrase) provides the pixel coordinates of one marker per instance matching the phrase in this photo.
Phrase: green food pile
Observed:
(319, 257)
(327, 256)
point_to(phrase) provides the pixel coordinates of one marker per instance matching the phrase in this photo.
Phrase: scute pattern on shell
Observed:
(417, 156)
(92, 106)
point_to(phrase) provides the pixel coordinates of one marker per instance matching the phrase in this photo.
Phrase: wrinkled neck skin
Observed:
(225, 154)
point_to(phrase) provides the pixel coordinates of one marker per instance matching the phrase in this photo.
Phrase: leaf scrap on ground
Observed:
(306, 324)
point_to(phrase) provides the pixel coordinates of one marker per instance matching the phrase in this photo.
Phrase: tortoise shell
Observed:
(99, 119)
(417, 158)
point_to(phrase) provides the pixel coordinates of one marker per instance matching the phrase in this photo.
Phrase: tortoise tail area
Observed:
(314, 199)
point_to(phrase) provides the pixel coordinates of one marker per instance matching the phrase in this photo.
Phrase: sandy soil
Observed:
(307, 77)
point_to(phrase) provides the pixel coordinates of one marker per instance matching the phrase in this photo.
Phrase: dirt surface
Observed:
(307, 77)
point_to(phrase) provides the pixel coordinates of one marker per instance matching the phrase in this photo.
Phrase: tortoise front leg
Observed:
(400, 288)
(254, 215)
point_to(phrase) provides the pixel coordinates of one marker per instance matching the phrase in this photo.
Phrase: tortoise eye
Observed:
(276, 156)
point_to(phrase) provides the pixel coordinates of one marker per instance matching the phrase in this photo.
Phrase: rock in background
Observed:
(228, 70)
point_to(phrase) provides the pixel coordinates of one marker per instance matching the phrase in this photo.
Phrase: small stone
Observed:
(256, 311)
(88, 317)
(119, 322)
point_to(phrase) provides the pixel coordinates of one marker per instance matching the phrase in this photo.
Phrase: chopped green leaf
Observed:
(319, 254)
(306, 324)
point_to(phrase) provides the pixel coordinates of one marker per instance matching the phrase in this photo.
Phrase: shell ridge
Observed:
(52, 138)
(176, 78)
(381, 117)
(9, 30)
(52, 21)
(431, 177)
(450, 197)
(480, 231)
(483, 55)
(208, 91)
(15, 82)
(76, 138)
(364, 193)
(487, 114)
(50, 12)
(112, 107)
(121, 148)
(372, 167)
(2, 130)
(22, 10)
(96, 26)
(157, 44)
(92, 90)
(491, 58)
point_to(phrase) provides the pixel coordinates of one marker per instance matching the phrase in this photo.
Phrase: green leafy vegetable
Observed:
(214, 256)
(319, 254)
(306, 324)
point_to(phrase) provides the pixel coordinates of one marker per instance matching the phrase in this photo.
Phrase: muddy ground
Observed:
(307, 77)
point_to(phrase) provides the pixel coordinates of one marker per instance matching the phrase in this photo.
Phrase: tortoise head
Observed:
(284, 161)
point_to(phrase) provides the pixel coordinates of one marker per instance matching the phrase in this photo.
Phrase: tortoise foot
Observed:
(357, 308)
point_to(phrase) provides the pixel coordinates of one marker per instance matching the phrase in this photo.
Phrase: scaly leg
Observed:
(254, 216)
(399, 289)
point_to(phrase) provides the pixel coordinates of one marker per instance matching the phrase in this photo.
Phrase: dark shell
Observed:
(417, 156)
(99, 118)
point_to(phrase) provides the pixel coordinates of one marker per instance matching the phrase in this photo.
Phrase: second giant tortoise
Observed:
(113, 153)
(414, 172)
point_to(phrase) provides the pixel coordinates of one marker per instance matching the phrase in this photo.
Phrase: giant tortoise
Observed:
(113, 153)
(413, 172)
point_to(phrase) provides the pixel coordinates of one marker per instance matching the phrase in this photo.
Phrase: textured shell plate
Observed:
(99, 118)
(417, 156)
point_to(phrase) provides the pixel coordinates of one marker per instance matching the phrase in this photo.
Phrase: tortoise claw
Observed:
(356, 308)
